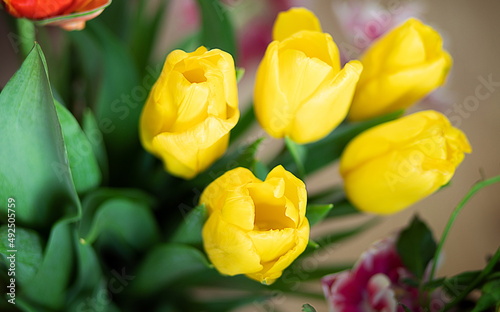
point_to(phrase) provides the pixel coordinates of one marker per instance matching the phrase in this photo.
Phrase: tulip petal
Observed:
(274, 269)
(214, 194)
(270, 211)
(327, 107)
(187, 153)
(270, 102)
(238, 208)
(228, 247)
(294, 20)
(273, 244)
(400, 69)
(295, 193)
(393, 165)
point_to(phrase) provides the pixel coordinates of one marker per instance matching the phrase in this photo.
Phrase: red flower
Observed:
(69, 14)
(376, 284)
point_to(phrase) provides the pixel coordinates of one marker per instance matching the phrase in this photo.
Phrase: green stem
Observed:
(477, 187)
(27, 35)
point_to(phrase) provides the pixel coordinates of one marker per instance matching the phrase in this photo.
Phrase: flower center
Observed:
(195, 75)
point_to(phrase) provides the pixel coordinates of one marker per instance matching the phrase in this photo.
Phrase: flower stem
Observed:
(477, 187)
(27, 35)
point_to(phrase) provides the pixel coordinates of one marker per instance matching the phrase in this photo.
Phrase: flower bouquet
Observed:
(131, 182)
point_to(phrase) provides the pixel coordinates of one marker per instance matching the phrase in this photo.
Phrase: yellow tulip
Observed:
(300, 90)
(391, 166)
(255, 227)
(400, 69)
(190, 111)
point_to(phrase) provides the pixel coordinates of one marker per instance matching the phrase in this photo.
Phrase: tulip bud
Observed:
(399, 69)
(255, 227)
(47, 10)
(190, 111)
(393, 165)
(300, 90)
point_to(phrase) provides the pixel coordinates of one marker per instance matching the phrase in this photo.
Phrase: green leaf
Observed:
(89, 274)
(94, 135)
(189, 231)
(416, 247)
(83, 164)
(299, 154)
(216, 27)
(330, 148)
(66, 17)
(165, 264)
(129, 221)
(337, 236)
(455, 285)
(28, 255)
(308, 308)
(316, 213)
(35, 167)
(243, 156)
(490, 296)
(146, 25)
(118, 95)
(247, 119)
(240, 72)
(55, 269)
(260, 170)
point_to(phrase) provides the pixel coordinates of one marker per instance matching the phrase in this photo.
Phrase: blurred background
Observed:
(470, 31)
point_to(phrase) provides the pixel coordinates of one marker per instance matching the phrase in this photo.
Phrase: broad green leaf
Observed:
(189, 231)
(34, 166)
(55, 269)
(83, 164)
(94, 135)
(299, 154)
(330, 148)
(416, 247)
(129, 221)
(94, 200)
(316, 213)
(216, 27)
(27, 253)
(165, 264)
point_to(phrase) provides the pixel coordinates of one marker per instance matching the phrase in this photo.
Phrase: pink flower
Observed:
(362, 22)
(376, 283)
